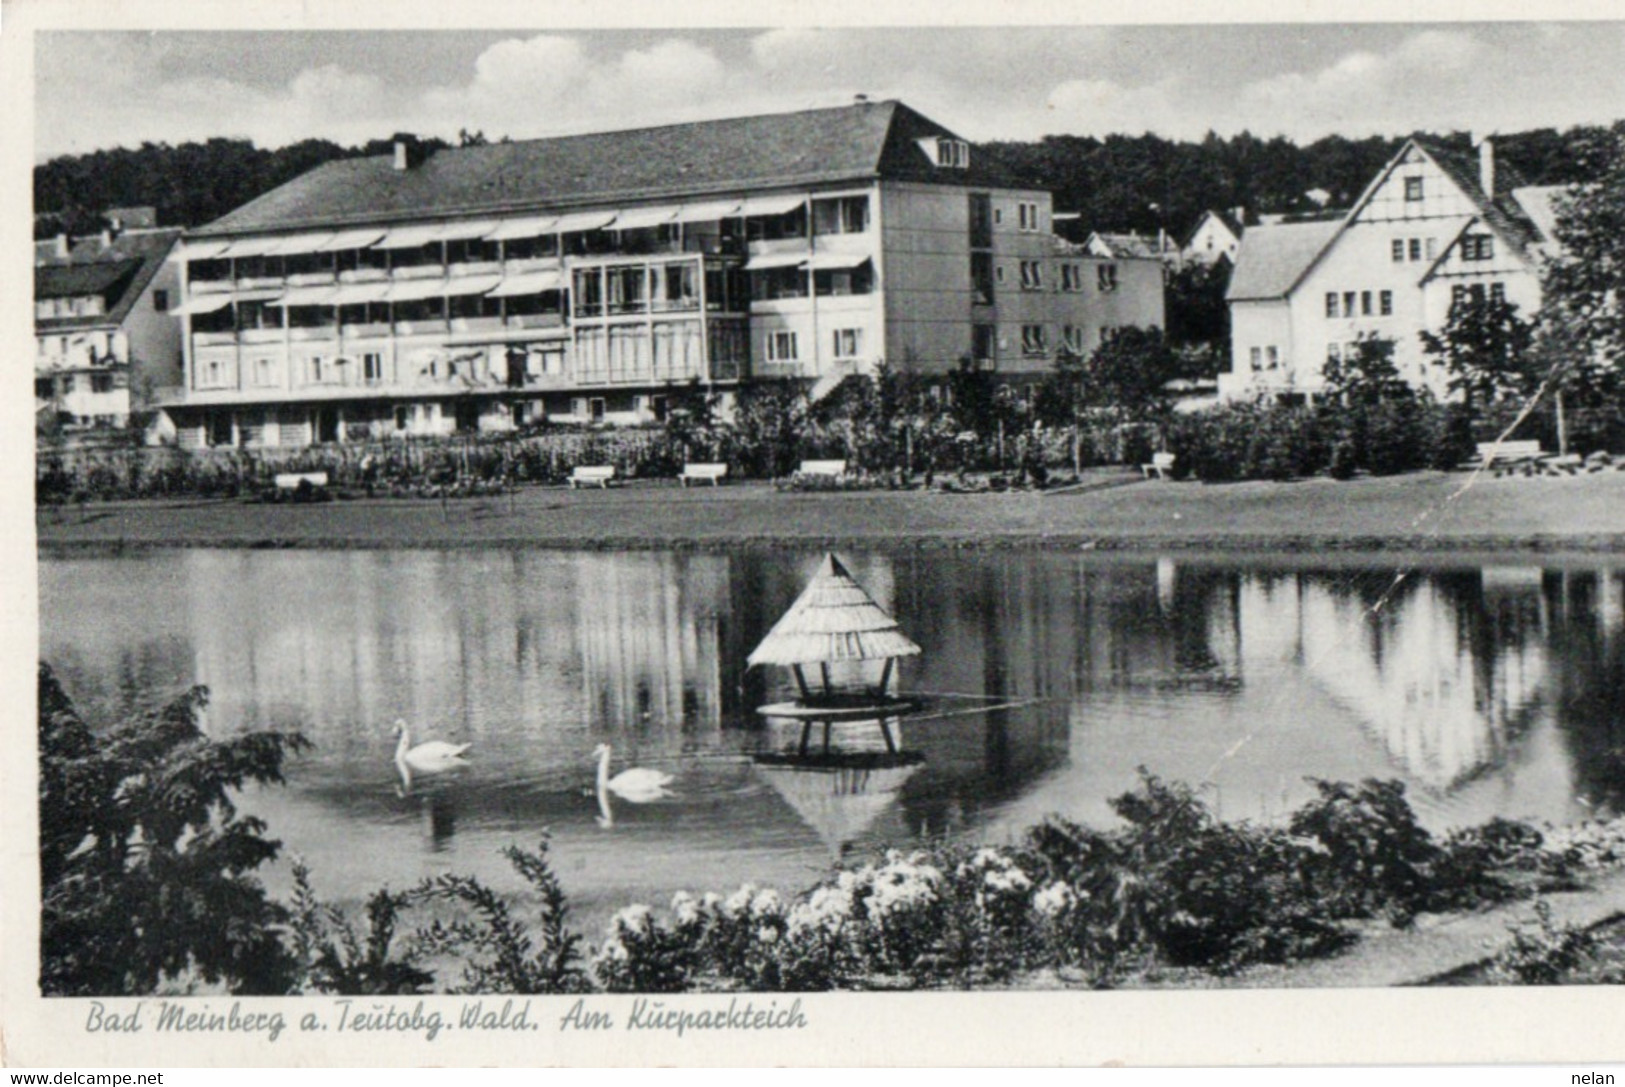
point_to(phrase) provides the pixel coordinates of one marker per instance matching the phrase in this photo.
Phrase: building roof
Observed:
(1126, 244)
(1226, 219)
(1538, 204)
(1272, 258)
(117, 267)
(1497, 209)
(728, 157)
(832, 620)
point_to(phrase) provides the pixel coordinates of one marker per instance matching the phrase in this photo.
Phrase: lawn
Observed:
(1417, 512)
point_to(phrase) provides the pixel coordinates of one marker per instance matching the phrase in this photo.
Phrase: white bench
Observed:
(289, 481)
(1490, 453)
(695, 473)
(822, 468)
(597, 474)
(1161, 466)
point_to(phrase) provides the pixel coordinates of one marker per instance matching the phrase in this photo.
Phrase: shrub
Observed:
(1543, 953)
(145, 865)
(336, 959)
(1372, 854)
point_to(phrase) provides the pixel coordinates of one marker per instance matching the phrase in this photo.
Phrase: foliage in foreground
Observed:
(148, 882)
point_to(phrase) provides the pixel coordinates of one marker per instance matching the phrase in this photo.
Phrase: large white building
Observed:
(585, 278)
(1432, 228)
(105, 342)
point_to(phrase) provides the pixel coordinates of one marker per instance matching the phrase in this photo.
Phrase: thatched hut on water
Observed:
(834, 621)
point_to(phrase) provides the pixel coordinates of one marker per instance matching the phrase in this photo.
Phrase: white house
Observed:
(1431, 228)
(1216, 236)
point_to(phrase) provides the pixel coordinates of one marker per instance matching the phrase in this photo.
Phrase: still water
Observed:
(1048, 678)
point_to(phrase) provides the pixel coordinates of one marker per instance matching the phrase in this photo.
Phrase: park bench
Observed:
(599, 475)
(1161, 466)
(832, 468)
(1492, 453)
(695, 473)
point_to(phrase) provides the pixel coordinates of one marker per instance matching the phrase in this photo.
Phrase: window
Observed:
(1027, 216)
(1385, 300)
(1478, 247)
(1104, 333)
(1413, 189)
(1072, 336)
(848, 342)
(1365, 303)
(1498, 292)
(264, 372)
(1069, 277)
(1476, 293)
(1032, 275)
(845, 215)
(1416, 248)
(952, 153)
(981, 278)
(596, 409)
(982, 342)
(1433, 248)
(1255, 356)
(403, 416)
(842, 281)
(1331, 303)
(1399, 250)
(781, 347)
(101, 383)
(1033, 340)
(776, 283)
(1273, 354)
(1106, 277)
(1334, 352)
(160, 301)
(1458, 295)
(372, 368)
(998, 273)
(317, 370)
(1348, 303)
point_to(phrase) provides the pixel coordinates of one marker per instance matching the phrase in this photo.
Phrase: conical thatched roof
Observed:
(833, 620)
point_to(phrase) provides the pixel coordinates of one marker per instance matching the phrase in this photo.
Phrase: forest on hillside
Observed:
(1117, 183)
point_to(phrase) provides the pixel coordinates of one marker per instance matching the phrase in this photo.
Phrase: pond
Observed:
(1047, 679)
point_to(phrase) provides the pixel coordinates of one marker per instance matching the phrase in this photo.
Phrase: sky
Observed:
(106, 89)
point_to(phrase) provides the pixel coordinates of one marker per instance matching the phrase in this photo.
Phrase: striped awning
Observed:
(307, 296)
(464, 285)
(774, 205)
(204, 250)
(529, 283)
(640, 218)
(764, 261)
(533, 227)
(583, 221)
(351, 239)
(822, 262)
(409, 237)
(250, 247)
(207, 303)
(411, 290)
(709, 211)
(302, 243)
(352, 294)
(473, 228)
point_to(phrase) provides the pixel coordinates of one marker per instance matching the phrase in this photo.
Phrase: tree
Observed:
(1582, 321)
(145, 865)
(1366, 375)
(1485, 346)
(1125, 375)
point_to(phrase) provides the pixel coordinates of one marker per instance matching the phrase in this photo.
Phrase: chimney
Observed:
(403, 159)
(1239, 214)
(860, 99)
(107, 239)
(1486, 164)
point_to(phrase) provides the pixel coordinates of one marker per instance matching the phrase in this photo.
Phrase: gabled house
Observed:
(1215, 237)
(106, 343)
(585, 278)
(1432, 228)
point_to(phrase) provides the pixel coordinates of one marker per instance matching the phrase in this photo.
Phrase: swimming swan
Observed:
(639, 785)
(433, 757)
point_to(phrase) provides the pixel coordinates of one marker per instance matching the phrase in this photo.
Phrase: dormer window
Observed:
(947, 152)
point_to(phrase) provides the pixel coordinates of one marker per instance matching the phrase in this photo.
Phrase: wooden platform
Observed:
(841, 709)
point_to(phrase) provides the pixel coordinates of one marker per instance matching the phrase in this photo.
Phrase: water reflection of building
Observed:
(1445, 677)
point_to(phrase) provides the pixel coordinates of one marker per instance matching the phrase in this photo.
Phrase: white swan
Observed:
(433, 757)
(640, 785)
